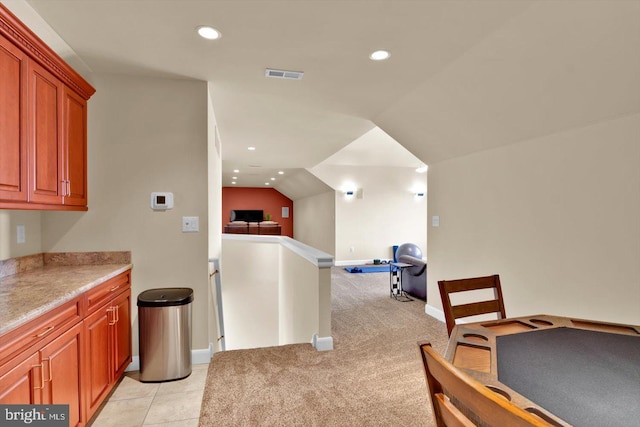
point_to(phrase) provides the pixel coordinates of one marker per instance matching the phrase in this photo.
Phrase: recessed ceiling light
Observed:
(422, 169)
(273, 179)
(236, 170)
(379, 55)
(208, 32)
(266, 183)
(234, 177)
(251, 148)
(280, 172)
(233, 182)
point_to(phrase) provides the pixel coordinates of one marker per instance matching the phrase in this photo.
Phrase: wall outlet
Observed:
(190, 224)
(22, 238)
(352, 249)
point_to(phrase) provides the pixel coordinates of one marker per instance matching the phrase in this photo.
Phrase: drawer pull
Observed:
(45, 332)
(114, 288)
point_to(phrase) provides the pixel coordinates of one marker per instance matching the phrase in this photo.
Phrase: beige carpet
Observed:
(373, 377)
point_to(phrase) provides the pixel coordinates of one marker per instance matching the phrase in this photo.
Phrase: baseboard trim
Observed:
(322, 343)
(436, 313)
(198, 357)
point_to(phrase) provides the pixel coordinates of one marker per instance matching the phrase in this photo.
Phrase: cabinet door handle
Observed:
(64, 187)
(68, 188)
(49, 362)
(45, 332)
(117, 313)
(112, 318)
(41, 375)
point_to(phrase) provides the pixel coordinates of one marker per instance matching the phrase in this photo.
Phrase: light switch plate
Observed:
(435, 221)
(190, 224)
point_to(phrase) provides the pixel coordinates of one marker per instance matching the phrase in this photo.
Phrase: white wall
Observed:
(374, 224)
(388, 213)
(384, 217)
(276, 291)
(315, 221)
(145, 134)
(250, 275)
(214, 180)
(9, 221)
(557, 217)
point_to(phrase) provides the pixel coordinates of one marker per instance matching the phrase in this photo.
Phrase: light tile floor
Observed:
(172, 403)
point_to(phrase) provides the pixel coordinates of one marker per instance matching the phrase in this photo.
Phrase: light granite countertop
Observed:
(25, 296)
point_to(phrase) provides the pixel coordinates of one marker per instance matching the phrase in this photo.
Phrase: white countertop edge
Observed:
(317, 257)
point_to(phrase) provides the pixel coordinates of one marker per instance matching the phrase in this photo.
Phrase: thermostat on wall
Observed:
(161, 201)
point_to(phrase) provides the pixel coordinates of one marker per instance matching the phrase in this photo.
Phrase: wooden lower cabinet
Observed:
(20, 383)
(96, 373)
(76, 363)
(61, 362)
(50, 375)
(122, 334)
(108, 348)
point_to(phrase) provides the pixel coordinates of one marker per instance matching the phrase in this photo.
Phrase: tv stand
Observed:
(264, 228)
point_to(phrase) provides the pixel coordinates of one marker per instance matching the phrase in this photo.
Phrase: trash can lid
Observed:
(165, 297)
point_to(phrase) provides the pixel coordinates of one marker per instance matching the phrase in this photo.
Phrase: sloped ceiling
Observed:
(373, 160)
(463, 76)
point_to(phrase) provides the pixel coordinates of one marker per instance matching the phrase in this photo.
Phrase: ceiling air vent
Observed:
(283, 74)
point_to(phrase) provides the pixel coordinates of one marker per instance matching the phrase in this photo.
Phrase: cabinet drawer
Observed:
(102, 293)
(44, 328)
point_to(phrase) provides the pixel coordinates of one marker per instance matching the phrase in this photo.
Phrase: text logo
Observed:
(34, 415)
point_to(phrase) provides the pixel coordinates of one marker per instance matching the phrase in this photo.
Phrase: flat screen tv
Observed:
(247, 215)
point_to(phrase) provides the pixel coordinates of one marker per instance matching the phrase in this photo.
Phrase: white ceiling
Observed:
(463, 75)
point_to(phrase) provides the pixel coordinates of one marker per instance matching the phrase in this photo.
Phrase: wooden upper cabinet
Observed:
(74, 128)
(13, 138)
(45, 142)
(43, 117)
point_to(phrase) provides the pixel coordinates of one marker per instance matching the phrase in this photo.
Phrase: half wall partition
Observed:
(275, 291)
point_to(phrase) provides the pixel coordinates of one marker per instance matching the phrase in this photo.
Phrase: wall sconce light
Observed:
(353, 194)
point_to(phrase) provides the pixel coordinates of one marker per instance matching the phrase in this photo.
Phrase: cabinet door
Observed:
(22, 384)
(97, 371)
(74, 119)
(61, 361)
(45, 149)
(13, 138)
(122, 333)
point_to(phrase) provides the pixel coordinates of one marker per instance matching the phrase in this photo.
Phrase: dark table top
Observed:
(567, 371)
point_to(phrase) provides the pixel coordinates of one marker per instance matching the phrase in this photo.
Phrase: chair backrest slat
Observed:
(453, 312)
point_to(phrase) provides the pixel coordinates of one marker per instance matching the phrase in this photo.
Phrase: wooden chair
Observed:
(460, 401)
(453, 312)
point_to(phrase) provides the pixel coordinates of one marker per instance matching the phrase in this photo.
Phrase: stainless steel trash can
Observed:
(164, 335)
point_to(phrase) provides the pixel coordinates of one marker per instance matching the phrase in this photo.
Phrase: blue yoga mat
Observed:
(368, 269)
